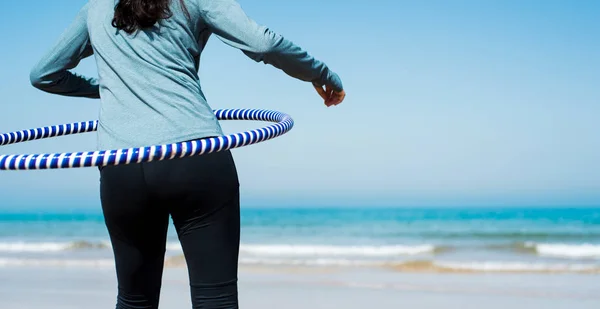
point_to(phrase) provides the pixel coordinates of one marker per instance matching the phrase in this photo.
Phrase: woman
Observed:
(147, 54)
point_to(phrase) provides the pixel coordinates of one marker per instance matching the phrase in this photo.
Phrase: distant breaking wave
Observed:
(347, 251)
(565, 250)
(20, 262)
(516, 235)
(327, 250)
(16, 247)
(250, 249)
(552, 250)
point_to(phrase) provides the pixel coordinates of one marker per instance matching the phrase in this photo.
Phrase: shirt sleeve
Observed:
(227, 20)
(51, 74)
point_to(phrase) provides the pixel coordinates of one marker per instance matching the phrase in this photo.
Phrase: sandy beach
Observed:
(315, 288)
(327, 258)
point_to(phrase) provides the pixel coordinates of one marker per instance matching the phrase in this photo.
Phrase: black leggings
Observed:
(201, 194)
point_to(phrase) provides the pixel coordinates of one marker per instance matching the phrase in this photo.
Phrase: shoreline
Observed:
(295, 289)
(416, 267)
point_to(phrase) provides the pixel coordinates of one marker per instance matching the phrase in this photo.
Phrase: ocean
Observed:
(553, 240)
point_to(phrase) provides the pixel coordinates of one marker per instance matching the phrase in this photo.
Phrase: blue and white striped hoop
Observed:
(283, 124)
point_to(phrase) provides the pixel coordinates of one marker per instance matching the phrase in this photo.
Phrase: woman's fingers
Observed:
(321, 92)
(329, 91)
(330, 97)
(336, 98)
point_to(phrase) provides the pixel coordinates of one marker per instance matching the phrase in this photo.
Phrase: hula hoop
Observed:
(283, 124)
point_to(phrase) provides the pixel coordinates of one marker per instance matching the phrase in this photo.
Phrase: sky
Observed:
(449, 103)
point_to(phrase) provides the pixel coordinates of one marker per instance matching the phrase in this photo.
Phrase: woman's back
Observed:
(148, 79)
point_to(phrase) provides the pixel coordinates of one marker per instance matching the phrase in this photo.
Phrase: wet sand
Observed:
(315, 288)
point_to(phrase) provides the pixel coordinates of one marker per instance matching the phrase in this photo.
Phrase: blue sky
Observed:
(449, 103)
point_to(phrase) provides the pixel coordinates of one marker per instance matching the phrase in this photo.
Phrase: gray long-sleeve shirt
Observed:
(148, 81)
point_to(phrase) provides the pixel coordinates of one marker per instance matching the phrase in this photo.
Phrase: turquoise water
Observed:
(511, 238)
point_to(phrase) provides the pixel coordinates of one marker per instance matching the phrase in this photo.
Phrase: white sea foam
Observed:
(173, 247)
(409, 266)
(41, 247)
(431, 266)
(335, 251)
(18, 262)
(491, 266)
(33, 247)
(49, 247)
(566, 250)
(308, 262)
(325, 250)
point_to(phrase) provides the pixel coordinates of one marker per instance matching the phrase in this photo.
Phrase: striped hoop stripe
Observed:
(283, 124)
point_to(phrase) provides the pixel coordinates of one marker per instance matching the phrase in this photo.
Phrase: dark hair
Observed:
(132, 15)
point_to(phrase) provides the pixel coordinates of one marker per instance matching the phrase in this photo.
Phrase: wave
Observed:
(19, 262)
(42, 247)
(16, 247)
(323, 250)
(572, 251)
(552, 250)
(549, 250)
(179, 261)
(309, 262)
(330, 250)
(516, 235)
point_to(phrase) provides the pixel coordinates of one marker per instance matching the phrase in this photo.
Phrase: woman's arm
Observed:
(229, 22)
(51, 74)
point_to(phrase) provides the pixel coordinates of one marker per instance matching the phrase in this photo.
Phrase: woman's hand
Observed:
(330, 96)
